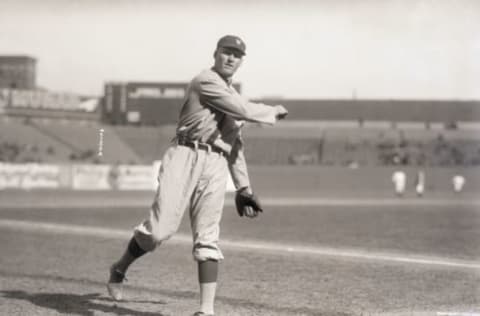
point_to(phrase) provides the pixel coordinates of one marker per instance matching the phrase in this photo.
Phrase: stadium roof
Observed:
(16, 58)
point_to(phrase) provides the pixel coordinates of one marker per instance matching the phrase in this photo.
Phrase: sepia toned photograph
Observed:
(240, 158)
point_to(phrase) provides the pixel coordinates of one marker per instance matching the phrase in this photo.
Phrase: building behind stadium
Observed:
(20, 95)
(17, 72)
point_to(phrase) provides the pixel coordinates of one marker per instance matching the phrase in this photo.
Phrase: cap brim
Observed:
(235, 49)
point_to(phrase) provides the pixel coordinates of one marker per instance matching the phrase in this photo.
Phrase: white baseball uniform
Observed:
(399, 179)
(420, 182)
(458, 183)
(195, 167)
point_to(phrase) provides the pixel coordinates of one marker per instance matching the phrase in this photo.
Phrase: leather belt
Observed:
(202, 146)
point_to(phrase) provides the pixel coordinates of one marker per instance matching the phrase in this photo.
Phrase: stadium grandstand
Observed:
(45, 139)
(138, 120)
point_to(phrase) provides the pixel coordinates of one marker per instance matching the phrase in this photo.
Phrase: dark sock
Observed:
(135, 249)
(207, 271)
(132, 253)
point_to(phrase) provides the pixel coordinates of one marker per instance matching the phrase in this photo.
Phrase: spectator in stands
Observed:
(421, 157)
(50, 150)
(457, 156)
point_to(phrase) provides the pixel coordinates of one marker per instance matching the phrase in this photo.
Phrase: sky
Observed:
(376, 49)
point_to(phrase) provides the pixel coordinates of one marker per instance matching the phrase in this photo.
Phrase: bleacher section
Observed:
(356, 146)
(282, 151)
(20, 142)
(148, 143)
(83, 140)
(47, 140)
(444, 148)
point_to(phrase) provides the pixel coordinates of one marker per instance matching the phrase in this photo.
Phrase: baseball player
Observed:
(420, 183)
(399, 179)
(458, 182)
(194, 171)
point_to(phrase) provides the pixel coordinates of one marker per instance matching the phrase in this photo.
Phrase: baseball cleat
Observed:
(115, 283)
(202, 314)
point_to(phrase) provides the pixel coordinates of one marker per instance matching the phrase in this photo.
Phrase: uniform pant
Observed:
(194, 180)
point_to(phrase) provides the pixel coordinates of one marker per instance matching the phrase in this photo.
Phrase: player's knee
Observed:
(164, 233)
(146, 242)
(202, 253)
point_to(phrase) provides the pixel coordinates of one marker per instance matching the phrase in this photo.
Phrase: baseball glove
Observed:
(247, 203)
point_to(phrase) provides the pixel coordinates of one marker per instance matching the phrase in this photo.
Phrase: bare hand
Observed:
(282, 112)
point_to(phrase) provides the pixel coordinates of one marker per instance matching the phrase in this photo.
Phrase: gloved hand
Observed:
(247, 203)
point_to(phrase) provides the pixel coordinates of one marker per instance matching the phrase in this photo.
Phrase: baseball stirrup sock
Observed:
(207, 277)
(207, 297)
(134, 249)
(207, 271)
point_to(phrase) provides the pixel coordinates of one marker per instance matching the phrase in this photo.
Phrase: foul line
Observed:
(268, 201)
(67, 229)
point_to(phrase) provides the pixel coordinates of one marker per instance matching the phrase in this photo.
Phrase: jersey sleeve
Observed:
(237, 165)
(220, 97)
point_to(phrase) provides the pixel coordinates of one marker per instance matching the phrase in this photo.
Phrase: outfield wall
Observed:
(83, 177)
(295, 181)
(77, 176)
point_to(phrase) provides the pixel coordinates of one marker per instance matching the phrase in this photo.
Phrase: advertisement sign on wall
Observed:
(83, 177)
(29, 176)
(39, 99)
(131, 177)
(91, 177)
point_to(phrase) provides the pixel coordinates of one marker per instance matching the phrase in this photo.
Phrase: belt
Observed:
(202, 146)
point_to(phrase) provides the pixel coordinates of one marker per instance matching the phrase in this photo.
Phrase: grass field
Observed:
(319, 258)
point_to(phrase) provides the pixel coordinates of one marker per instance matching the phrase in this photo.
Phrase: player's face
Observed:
(227, 61)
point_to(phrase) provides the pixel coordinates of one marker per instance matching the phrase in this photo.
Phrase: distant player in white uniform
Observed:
(458, 182)
(399, 179)
(420, 183)
(194, 171)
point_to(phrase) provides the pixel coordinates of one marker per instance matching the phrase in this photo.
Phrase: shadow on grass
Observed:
(75, 304)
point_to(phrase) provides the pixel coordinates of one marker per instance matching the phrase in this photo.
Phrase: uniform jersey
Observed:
(214, 112)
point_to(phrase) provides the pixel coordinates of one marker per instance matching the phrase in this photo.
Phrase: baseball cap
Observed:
(232, 41)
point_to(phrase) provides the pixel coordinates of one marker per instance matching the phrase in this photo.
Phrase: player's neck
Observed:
(227, 79)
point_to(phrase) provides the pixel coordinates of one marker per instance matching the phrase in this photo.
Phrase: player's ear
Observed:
(215, 53)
